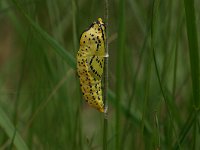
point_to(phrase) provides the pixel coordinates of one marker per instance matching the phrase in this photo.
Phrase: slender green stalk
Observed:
(175, 65)
(119, 83)
(186, 128)
(193, 49)
(176, 48)
(12, 141)
(154, 19)
(75, 49)
(80, 144)
(147, 89)
(194, 65)
(157, 132)
(10, 130)
(105, 126)
(75, 26)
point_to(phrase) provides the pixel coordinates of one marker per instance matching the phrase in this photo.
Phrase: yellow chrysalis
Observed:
(90, 63)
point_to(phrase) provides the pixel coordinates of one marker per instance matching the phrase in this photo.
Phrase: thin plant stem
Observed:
(194, 60)
(193, 49)
(105, 126)
(75, 26)
(154, 19)
(119, 68)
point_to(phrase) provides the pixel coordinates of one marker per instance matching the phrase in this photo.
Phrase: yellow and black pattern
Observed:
(90, 63)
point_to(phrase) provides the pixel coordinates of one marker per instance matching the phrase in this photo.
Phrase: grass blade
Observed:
(193, 49)
(194, 65)
(57, 47)
(119, 68)
(10, 130)
(105, 94)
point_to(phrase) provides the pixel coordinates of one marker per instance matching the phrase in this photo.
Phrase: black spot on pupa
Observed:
(97, 47)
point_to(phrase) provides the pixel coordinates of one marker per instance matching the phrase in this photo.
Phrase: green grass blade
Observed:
(54, 44)
(10, 130)
(75, 24)
(105, 94)
(119, 68)
(133, 117)
(190, 121)
(153, 47)
(193, 49)
(194, 65)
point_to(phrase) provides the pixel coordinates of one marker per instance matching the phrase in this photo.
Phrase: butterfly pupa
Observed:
(90, 63)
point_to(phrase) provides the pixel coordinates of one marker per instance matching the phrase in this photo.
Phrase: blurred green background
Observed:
(153, 74)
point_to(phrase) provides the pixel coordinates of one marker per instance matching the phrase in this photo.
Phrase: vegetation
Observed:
(153, 75)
